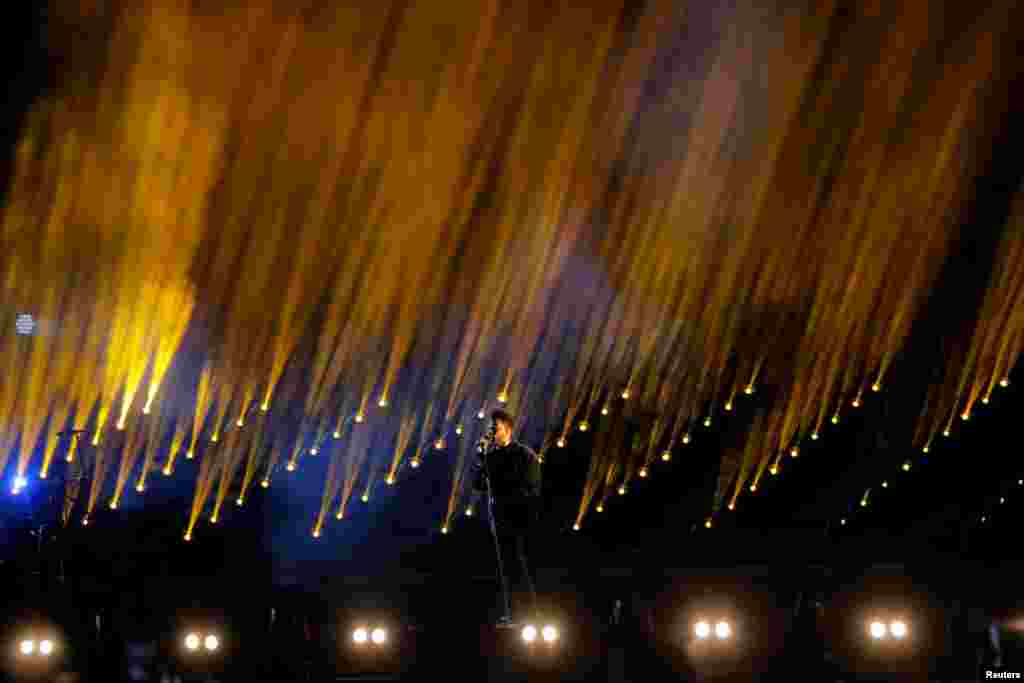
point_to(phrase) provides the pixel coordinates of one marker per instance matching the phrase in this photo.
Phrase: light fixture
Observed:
(877, 630)
(212, 643)
(192, 642)
(379, 636)
(723, 630)
(360, 636)
(529, 633)
(549, 633)
(702, 629)
(898, 629)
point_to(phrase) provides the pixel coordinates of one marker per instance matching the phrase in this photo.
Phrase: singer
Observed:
(509, 473)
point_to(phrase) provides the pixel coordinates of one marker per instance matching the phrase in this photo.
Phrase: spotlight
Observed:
(439, 444)
(985, 400)
(707, 524)
(337, 434)
(240, 423)
(85, 520)
(366, 498)
(707, 422)
(211, 643)
(140, 487)
(27, 647)
(469, 512)
(529, 633)
(549, 633)
(877, 630)
(885, 484)
(965, 416)
(600, 508)
(359, 636)
(390, 481)
(794, 451)
(575, 527)
(290, 467)
(728, 407)
(316, 533)
(265, 483)
(686, 438)
(46, 647)
(753, 488)
(814, 436)
(945, 432)
(723, 630)
(898, 629)
(625, 395)
(113, 505)
(643, 472)
(190, 455)
(382, 403)
(415, 463)
(359, 417)
(622, 490)
(906, 466)
(561, 443)
(379, 636)
(458, 430)
(584, 426)
(856, 403)
(666, 456)
(480, 415)
(835, 419)
(749, 390)
(773, 469)
(876, 387)
(604, 410)
(843, 521)
(314, 451)
(239, 502)
(702, 629)
(732, 506)
(503, 397)
(192, 642)
(1005, 382)
(188, 537)
(444, 529)
(20, 482)
(925, 449)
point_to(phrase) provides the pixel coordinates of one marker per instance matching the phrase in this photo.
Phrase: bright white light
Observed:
(192, 641)
(20, 482)
(360, 635)
(28, 647)
(703, 629)
(529, 633)
(898, 629)
(877, 630)
(379, 636)
(45, 647)
(722, 630)
(549, 633)
(211, 643)
(25, 324)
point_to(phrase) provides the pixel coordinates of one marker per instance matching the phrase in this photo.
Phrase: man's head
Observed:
(503, 424)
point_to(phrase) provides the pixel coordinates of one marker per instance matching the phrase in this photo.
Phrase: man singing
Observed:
(515, 479)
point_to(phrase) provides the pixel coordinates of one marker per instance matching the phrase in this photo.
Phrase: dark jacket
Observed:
(514, 470)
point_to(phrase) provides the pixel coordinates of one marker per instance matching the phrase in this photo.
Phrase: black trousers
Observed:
(515, 523)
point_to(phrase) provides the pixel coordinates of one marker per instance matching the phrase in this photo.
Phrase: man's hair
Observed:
(503, 416)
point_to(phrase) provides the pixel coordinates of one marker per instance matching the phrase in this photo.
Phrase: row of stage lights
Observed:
(907, 465)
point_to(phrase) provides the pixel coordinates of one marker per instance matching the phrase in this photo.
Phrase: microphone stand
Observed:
(484, 452)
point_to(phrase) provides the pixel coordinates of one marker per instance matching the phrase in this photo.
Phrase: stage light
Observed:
(885, 484)
(240, 423)
(469, 512)
(20, 482)
(945, 432)
(314, 451)
(686, 438)
(85, 520)
(728, 407)
(732, 506)
(749, 390)
(213, 519)
(239, 502)
(359, 417)
(265, 407)
(965, 416)
(439, 444)
(444, 530)
(984, 400)
(723, 630)
(188, 537)
(359, 636)
(877, 630)
(113, 505)
(702, 629)
(604, 410)
(503, 397)
(290, 467)
(794, 451)
(753, 488)
(600, 508)
(211, 643)
(192, 642)
(575, 527)
(843, 521)
(337, 434)
(876, 387)
(140, 487)
(707, 422)
(480, 415)
(666, 456)
(1002, 500)
(643, 471)
(390, 481)
(625, 395)
(856, 403)
(707, 524)
(316, 533)
(382, 403)
(584, 426)
(190, 455)
(379, 636)
(898, 629)
(265, 483)
(925, 449)
(458, 430)
(529, 633)
(906, 466)
(561, 443)
(773, 469)
(415, 463)
(166, 471)
(215, 438)
(28, 647)
(814, 436)
(1020, 482)
(549, 633)
(366, 498)
(340, 515)
(24, 324)
(46, 647)
(622, 490)
(1005, 382)
(835, 419)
